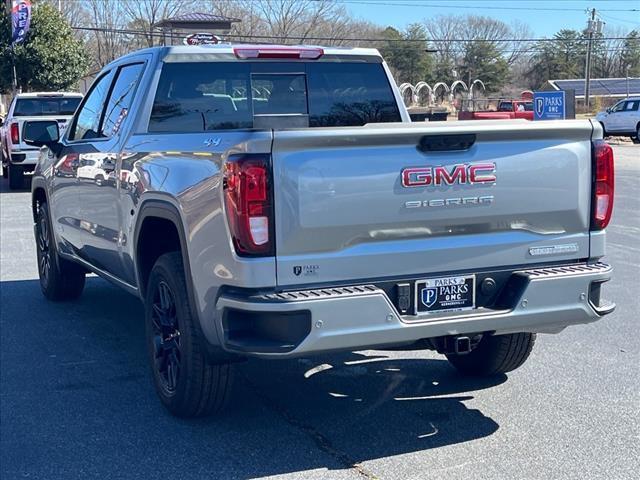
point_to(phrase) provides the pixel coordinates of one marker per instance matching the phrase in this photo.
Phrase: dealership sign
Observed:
(549, 105)
(20, 19)
(201, 39)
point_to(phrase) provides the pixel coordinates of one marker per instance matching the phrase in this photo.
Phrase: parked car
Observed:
(505, 110)
(315, 217)
(622, 119)
(97, 168)
(17, 157)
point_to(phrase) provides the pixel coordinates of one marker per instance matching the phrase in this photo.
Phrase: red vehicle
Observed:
(505, 109)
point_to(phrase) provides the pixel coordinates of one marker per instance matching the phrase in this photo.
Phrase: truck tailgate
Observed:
(342, 212)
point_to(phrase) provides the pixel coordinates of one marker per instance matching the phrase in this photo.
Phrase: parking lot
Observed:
(77, 400)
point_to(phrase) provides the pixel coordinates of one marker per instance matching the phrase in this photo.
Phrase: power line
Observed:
(523, 51)
(616, 19)
(476, 6)
(353, 39)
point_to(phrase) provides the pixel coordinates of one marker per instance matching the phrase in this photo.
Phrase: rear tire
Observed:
(188, 386)
(16, 177)
(495, 354)
(60, 279)
(636, 139)
(5, 172)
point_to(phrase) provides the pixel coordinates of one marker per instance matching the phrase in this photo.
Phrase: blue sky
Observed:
(543, 23)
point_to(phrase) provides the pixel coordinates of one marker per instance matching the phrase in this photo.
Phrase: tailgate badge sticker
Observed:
(554, 249)
(306, 270)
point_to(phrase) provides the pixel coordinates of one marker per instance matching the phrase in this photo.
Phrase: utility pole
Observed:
(593, 26)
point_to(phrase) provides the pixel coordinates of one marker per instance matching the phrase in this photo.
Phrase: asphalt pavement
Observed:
(76, 401)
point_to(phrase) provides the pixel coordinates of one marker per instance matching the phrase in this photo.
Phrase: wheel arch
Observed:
(38, 195)
(153, 216)
(164, 212)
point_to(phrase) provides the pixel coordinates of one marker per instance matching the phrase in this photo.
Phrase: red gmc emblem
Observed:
(460, 174)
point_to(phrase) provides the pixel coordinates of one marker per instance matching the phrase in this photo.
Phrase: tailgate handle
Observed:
(446, 143)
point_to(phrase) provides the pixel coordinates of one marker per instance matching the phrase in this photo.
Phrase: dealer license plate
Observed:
(445, 294)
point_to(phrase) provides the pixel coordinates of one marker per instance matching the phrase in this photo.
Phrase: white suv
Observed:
(622, 119)
(17, 157)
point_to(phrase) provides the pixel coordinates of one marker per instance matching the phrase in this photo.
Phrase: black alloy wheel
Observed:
(166, 341)
(44, 248)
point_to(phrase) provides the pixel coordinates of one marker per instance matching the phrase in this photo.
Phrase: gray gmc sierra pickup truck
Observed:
(276, 201)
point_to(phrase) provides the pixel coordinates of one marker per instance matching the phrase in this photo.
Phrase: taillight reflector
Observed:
(603, 185)
(248, 206)
(15, 133)
(259, 51)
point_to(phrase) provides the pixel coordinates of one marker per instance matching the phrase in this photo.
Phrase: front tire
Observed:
(188, 386)
(60, 279)
(495, 354)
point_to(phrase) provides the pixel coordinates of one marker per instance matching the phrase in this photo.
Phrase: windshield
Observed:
(38, 107)
(203, 96)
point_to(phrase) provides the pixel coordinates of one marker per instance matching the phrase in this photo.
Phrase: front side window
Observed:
(87, 124)
(618, 107)
(197, 97)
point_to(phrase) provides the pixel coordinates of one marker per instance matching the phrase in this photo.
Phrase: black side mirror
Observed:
(41, 133)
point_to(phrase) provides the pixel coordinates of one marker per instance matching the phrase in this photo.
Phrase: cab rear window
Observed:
(38, 107)
(196, 97)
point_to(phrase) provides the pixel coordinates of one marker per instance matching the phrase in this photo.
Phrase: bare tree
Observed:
(104, 42)
(294, 21)
(252, 25)
(144, 14)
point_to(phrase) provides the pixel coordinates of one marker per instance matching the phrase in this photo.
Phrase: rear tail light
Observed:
(266, 51)
(603, 185)
(15, 133)
(247, 195)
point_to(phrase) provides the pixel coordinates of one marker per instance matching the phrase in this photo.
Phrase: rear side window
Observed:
(39, 107)
(632, 105)
(120, 99)
(196, 97)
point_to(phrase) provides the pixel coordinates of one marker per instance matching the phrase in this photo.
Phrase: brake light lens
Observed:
(15, 133)
(266, 51)
(247, 196)
(603, 185)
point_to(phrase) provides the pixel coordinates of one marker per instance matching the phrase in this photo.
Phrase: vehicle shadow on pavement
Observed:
(77, 402)
(4, 186)
(362, 406)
